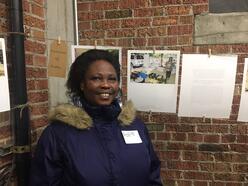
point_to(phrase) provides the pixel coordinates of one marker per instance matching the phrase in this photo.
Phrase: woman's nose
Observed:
(105, 83)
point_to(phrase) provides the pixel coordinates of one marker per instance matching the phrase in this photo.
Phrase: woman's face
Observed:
(100, 84)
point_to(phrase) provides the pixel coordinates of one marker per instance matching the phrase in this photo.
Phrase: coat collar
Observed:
(78, 117)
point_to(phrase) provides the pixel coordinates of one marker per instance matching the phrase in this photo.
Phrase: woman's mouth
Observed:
(104, 95)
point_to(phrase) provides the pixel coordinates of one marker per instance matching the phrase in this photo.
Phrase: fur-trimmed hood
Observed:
(78, 117)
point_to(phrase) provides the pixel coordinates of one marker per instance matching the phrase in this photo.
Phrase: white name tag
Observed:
(131, 136)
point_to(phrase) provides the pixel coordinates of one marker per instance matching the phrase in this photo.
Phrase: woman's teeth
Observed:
(105, 95)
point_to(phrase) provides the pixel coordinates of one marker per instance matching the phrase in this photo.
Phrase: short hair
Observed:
(80, 66)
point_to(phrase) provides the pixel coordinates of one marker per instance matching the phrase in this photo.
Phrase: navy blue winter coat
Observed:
(78, 150)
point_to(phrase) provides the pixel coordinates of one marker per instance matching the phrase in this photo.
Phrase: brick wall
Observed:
(193, 152)
(36, 63)
(36, 69)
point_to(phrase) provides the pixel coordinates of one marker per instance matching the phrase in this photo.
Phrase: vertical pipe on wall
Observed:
(21, 115)
(76, 21)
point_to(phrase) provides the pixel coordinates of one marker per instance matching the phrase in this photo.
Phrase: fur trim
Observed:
(71, 115)
(78, 118)
(127, 114)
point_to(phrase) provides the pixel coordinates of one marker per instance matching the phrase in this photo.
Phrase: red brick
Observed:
(40, 61)
(195, 137)
(181, 146)
(186, 20)
(239, 148)
(154, 41)
(229, 138)
(212, 138)
(242, 138)
(110, 42)
(121, 33)
(39, 109)
(37, 10)
(89, 16)
(165, 2)
(39, 122)
(199, 9)
(177, 165)
(35, 47)
(170, 41)
(179, 10)
(139, 42)
(169, 20)
(170, 174)
(215, 167)
(92, 34)
(84, 25)
(231, 157)
(178, 137)
(5, 131)
(163, 136)
(125, 43)
(124, 4)
(148, 12)
(197, 175)
(38, 35)
(185, 40)
(103, 5)
(229, 177)
(168, 155)
(198, 156)
(240, 168)
(36, 97)
(34, 22)
(194, 1)
(36, 72)
(106, 24)
(83, 6)
(134, 23)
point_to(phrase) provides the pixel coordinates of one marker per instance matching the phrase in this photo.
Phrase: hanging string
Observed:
(21, 107)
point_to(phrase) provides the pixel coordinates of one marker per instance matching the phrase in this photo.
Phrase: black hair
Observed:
(80, 66)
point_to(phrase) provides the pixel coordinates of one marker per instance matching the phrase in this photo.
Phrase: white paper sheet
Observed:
(243, 109)
(150, 86)
(207, 85)
(4, 85)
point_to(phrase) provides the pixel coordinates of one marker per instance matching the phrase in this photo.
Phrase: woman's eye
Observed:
(96, 78)
(113, 79)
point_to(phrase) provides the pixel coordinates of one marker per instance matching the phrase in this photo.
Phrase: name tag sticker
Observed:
(131, 136)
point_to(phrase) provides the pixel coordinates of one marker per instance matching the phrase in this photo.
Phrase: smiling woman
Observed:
(94, 141)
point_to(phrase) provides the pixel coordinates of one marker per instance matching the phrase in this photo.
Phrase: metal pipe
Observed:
(21, 114)
(76, 21)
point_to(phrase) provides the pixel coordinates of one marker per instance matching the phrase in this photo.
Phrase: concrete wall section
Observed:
(59, 24)
(229, 28)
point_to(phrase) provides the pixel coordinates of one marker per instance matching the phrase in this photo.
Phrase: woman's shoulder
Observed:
(70, 115)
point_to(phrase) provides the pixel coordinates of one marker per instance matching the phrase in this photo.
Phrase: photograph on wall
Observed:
(246, 80)
(1, 64)
(207, 85)
(79, 49)
(155, 68)
(4, 88)
(243, 108)
(153, 79)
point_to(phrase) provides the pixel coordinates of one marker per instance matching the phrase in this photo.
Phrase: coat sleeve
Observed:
(46, 166)
(154, 179)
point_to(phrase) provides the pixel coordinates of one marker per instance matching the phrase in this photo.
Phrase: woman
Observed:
(94, 142)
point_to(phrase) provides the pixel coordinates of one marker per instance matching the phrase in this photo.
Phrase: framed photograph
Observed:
(4, 88)
(243, 107)
(153, 79)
